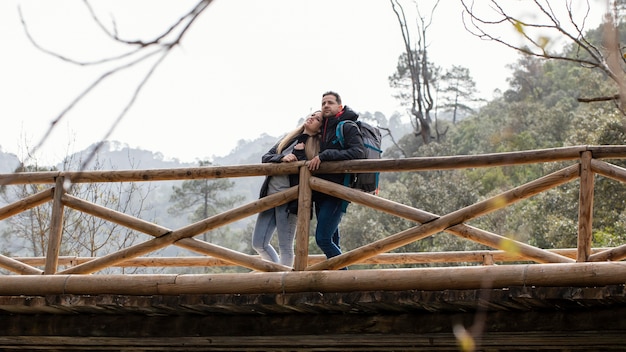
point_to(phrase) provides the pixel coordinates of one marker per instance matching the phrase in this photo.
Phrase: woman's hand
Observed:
(289, 158)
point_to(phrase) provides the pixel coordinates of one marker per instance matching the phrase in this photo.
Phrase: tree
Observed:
(458, 91)
(202, 198)
(414, 71)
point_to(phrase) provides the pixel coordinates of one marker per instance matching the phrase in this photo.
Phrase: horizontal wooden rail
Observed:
(151, 175)
(479, 256)
(383, 165)
(577, 274)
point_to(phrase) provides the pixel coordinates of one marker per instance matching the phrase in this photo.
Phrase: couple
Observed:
(315, 141)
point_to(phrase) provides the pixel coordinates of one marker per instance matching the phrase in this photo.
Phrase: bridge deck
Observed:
(539, 318)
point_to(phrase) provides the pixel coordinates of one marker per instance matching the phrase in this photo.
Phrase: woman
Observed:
(300, 144)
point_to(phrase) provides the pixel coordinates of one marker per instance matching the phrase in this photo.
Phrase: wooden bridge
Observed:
(533, 299)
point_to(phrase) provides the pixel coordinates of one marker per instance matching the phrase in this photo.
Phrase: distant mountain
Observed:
(156, 202)
(112, 155)
(119, 156)
(248, 152)
(8, 162)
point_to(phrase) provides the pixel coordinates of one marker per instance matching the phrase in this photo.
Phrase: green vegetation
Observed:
(539, 110)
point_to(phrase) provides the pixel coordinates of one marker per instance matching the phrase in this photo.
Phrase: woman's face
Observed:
(313, 123)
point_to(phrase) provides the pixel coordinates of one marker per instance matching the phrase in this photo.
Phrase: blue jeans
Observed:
(329, 212)
(285, 223)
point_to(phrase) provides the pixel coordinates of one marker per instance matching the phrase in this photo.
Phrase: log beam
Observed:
(305, 203)
(56, 228)
(429, 279)
(26, 203)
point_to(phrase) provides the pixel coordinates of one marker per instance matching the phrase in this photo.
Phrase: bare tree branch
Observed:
(126, 108)
(596, 99)
(141, 51)
(608, 59)
(393, 140)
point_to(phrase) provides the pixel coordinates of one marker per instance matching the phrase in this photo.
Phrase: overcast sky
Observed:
(246, 67)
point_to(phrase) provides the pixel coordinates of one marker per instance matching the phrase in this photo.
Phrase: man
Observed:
(328, 209)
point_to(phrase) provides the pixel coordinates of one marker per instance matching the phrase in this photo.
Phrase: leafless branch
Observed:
(597, 99)
(140, 52)
(393, 140)
(126, 108)
(607, 59)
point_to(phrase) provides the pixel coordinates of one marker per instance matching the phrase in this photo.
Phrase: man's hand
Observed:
(314, 163)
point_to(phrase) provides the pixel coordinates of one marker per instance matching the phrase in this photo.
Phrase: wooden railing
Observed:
(576, 266)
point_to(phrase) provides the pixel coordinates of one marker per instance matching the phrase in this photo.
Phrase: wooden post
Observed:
(304, 220)
(585, 207)
(56, 228)
(488, 259)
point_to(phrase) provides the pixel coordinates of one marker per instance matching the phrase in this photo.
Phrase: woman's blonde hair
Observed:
(311, 147)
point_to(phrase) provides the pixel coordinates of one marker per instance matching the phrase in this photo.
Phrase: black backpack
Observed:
(372, 139)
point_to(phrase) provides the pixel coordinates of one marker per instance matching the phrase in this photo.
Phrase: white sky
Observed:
(247, 67)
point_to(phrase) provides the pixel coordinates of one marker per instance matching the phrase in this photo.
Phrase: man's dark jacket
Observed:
(331, 150)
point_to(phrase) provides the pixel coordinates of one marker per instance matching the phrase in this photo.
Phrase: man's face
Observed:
(330, 107)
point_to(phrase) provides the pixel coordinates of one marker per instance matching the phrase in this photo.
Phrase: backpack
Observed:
(372, 139)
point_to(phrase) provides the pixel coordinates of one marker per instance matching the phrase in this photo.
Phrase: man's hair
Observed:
(330, 92)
